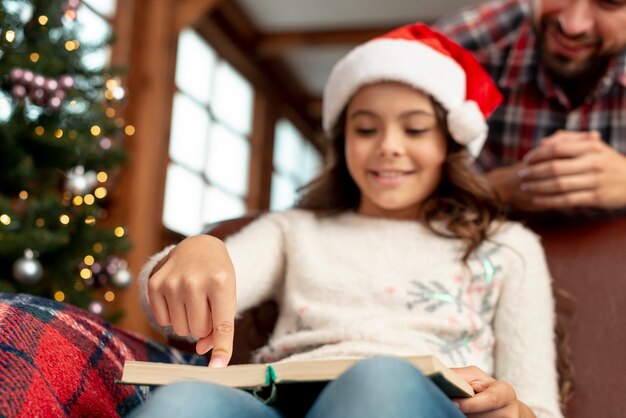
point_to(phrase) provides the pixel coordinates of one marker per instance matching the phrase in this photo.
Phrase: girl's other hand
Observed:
(494, 398)
(193, 290)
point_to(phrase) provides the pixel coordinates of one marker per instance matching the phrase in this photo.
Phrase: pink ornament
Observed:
(16, 74)
(66, 82)
(105, 143)
(38, 96)
(51, 85)
(54, 103)
(18, 91)
(28, 77)
(39, 81)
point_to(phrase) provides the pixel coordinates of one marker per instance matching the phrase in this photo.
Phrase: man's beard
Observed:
(564, 67)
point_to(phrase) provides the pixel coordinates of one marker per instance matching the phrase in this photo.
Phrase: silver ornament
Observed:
(80, 182)
(122, 277)
(27, 270)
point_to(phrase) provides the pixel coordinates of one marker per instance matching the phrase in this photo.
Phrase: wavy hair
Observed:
(464, 201)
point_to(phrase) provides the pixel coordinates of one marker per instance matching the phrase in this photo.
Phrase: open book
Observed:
(259, 375)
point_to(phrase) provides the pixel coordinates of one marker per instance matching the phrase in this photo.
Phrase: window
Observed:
(296, 163)
(207, 178)
(94, 27)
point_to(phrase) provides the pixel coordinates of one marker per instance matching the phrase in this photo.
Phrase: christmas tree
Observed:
(61, 145)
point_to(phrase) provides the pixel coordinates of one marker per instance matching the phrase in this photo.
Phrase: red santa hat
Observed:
(428, 61)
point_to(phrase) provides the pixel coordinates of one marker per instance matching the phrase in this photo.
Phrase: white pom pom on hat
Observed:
(428, 61)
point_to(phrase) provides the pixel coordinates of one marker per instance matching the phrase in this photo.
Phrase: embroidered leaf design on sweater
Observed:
(475, 299)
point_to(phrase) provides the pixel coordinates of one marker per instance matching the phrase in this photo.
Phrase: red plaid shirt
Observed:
(501, 35)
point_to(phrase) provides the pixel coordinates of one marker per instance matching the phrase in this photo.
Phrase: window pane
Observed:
(232, 101)
(183, 197)
(228, 160)
(283, 193)
(104, 7)
(92, 29)
(219, 205)
(195, 63)
(287, 148)
(312, 164)
(190, 127)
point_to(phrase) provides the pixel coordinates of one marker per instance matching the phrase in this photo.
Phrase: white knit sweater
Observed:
(351, 285)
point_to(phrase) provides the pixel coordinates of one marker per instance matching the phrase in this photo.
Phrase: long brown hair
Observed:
(465, 202)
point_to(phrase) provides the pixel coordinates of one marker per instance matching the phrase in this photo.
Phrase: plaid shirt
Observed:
(502, 37)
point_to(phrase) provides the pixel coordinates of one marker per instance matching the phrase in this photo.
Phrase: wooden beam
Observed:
(261, 153)
(139, 197)
(273, 44)
(189, 11)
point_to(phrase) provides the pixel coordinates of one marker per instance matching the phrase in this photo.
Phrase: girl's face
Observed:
(394, 149)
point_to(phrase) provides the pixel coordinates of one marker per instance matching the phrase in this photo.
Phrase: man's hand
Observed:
(194, 292)
(508, 184)
(574, 169)
(493, 398)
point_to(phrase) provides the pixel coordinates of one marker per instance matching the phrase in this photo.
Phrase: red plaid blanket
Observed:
(57, 360)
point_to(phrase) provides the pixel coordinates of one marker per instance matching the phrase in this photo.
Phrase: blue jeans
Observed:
(375, 387)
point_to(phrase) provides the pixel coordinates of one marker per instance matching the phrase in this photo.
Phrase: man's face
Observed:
(578, 36)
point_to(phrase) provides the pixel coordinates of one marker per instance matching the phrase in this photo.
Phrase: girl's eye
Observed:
(415, 132)
(365, 131)
(612, 4)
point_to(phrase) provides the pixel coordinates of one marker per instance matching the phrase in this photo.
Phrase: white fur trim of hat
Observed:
(416, 64)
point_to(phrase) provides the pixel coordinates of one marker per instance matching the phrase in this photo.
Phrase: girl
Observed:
(396, 249)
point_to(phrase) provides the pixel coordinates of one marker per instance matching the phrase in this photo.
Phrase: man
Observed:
(558, 139)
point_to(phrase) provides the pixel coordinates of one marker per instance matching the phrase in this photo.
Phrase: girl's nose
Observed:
(391, 144)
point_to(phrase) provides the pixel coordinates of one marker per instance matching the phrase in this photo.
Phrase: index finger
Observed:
(561, 149)
(565, 135)
(223, 311)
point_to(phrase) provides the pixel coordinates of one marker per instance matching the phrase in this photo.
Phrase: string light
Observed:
(86, 273)
(64, 219)
(119, 232)
(100, 192)
(58, 133)
(110, 112)
(39, 222)
(129, 130)
(102, 176)
(59, 296)
(72, 45)
(89, 199)
(90, 220)
(40, 130)
(10, 36)
(77, 200)
(5, 219)
(34, 57)
(23, 195)
(95, 130)
(109, 296)
(43, 20)
(89, 260)
(97, 248)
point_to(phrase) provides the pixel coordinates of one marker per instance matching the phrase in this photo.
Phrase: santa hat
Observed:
(422, 58)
